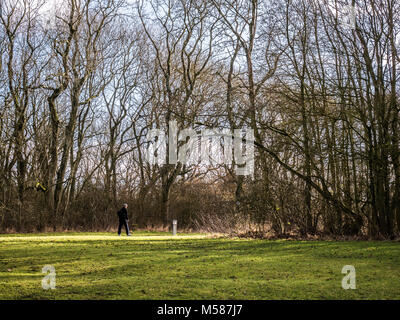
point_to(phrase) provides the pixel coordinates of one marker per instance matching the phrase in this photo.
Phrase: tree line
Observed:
(82, 83)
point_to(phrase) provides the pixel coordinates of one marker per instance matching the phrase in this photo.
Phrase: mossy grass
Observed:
(156, 265)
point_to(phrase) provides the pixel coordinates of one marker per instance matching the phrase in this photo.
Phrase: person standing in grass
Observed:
(123, 219)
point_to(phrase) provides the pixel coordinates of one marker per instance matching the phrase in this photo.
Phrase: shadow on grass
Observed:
(192, 268)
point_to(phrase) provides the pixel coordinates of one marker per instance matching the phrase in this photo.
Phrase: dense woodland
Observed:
(83, 81)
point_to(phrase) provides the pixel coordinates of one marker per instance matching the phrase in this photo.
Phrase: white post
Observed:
(174, 227)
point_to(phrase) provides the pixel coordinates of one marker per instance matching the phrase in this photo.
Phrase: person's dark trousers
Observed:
(125, 224)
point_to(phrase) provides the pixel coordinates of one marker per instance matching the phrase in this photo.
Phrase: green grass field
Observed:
(152, 265)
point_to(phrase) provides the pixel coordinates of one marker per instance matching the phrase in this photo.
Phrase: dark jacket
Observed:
(123, 214)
